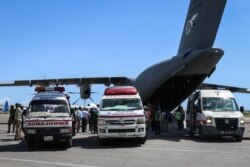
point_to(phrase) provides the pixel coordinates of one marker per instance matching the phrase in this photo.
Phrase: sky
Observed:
(95, 38)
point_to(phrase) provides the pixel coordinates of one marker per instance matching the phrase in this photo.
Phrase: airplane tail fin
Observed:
(202, 22)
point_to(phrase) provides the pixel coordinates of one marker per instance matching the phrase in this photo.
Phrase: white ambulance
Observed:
(121, 115)
(48, 117)
(214, 113)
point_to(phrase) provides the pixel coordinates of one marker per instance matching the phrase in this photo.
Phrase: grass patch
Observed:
(1, 112)
(247, 114)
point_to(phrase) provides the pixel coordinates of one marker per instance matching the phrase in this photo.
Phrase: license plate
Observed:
(226, 132)
(48, 138)
(121, 134)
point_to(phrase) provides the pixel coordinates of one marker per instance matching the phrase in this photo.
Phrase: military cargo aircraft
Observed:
(171, 80)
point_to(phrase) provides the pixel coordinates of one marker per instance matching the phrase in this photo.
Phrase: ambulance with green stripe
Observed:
(121, 115)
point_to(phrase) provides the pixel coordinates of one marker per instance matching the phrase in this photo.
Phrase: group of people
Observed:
(83, 117)
(15, 119)
(158, 117)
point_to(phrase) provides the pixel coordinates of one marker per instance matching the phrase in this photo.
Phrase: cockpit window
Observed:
(219, 104)
(48, 108)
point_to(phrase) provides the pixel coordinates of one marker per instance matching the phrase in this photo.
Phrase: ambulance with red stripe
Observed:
(121, 115)
(48, 117)
(215, 113)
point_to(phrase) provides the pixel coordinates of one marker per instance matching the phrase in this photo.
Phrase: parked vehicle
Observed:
(48, 118)
(121, 115)
(214, 113)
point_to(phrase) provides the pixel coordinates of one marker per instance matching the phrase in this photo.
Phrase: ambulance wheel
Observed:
(239, 138)
(142, 140)
(101, 141)
(68, 143)
(191, 133)
(31, 144)
(201, 133)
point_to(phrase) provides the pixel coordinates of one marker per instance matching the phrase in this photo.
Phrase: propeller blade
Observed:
(76, 101)
(74, 92)
(92, 100)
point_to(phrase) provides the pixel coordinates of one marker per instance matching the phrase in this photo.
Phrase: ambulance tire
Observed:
(31, 144)
(201, 133)
(142, 140)
(239, 138)
(101, 141)
(68, 143)
(191, 133)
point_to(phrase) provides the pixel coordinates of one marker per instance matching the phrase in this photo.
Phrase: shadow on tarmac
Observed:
(87, 141)
(92, 143)
(177, 136)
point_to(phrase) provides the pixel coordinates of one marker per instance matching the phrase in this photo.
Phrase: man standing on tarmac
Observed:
(180, 116)
(11, 119)
(158, 117)
(85, 115)
(18, 121)
(78, 117)
(94, 116)
(73, 115)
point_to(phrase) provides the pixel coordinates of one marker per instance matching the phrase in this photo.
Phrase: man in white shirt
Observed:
(85, 115)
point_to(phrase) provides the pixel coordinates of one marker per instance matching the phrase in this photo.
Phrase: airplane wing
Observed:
(231, 88)
(70, 81)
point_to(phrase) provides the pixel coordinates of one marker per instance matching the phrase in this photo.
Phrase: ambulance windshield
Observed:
(219, 104)
(121, 104)
(48, 108)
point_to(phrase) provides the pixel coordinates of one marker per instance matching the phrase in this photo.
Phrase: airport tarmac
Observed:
(173, 149)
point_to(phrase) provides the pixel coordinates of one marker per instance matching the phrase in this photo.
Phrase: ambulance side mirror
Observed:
(241, 109)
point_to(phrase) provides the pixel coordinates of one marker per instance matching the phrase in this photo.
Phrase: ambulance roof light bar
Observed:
(39, 89)
(126, 90)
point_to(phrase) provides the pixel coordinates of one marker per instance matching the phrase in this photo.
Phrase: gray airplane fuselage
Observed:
(173, 80)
